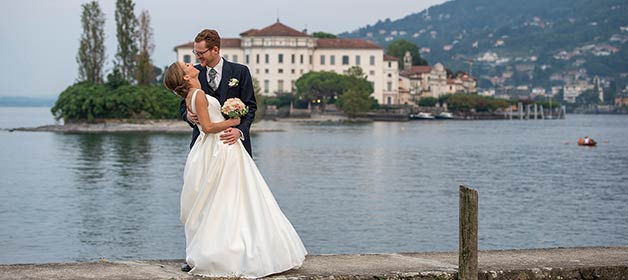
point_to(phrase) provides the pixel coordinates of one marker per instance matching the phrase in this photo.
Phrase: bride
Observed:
(233, 225)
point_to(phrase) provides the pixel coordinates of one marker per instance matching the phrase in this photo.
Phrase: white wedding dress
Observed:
(233, 225)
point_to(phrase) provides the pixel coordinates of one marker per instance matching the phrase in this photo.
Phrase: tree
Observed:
(115, 80)
(126, 24)
(145, 69)
(588, 97)
(321, 34)
(326, 87)
(355, 102)
(260, 101)
(398, 49)
(610, 93)
(91, 53)
(428, 101)
(356, 72)
(320, 86)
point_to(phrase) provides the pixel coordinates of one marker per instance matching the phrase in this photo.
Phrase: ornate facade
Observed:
(278, 55)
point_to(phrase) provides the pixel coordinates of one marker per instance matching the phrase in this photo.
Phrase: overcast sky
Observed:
(40, 37)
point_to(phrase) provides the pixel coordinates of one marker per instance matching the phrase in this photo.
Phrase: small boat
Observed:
(584, 142)
(422, 116)
(445, 116)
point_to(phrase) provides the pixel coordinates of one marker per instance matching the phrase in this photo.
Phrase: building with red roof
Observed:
(278, 55)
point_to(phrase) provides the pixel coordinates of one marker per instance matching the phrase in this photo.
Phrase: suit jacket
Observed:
(244, 91)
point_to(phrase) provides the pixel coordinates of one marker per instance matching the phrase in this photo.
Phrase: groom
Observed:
(222, 79)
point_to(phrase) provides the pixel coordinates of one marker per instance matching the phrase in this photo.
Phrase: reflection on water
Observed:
(380, 187)
(112, 167)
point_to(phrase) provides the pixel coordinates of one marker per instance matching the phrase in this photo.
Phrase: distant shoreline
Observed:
(112, 126)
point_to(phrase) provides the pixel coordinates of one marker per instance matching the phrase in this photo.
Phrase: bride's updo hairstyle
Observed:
(173, 80)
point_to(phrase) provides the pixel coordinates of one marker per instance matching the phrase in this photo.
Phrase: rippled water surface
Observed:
(379, 187)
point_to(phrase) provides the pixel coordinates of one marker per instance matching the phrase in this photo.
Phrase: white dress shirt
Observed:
(218, 68)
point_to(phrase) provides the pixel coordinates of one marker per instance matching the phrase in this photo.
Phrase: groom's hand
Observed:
(230, 136)
(193, 118)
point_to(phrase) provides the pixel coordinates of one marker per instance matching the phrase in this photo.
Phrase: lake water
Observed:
(378, 187)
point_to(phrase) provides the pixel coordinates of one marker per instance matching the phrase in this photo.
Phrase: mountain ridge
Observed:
(514, 43)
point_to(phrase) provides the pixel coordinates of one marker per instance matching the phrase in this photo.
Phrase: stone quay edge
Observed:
(552, 263)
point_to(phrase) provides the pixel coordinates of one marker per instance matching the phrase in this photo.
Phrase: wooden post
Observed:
(520, 107)
(468, 235)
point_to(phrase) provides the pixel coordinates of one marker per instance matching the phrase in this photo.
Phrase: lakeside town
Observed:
(298, 74)
(279, 55)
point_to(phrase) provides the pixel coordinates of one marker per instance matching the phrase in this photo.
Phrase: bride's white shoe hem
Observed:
(298, 265)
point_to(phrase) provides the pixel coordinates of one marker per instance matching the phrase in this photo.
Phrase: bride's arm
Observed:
(203, 117)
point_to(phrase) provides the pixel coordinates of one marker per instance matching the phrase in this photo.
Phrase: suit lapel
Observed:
(224, 81)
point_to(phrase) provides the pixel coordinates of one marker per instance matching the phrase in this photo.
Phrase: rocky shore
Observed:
(162, 126)
(556, 263)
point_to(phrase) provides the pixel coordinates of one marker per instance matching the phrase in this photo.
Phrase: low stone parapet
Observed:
(556, 263)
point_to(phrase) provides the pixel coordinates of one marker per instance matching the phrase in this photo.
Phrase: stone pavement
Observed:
(556, 263)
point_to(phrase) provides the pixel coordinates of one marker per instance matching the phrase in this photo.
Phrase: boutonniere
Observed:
(233, 82)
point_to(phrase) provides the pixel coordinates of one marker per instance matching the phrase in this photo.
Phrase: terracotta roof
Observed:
(467, 78)
(345, 44)
(249, 32)
(390, 58)
(230, 43)
(417, 70)
(277, 29)
(186, 45)
(454, 82)
(224, 43)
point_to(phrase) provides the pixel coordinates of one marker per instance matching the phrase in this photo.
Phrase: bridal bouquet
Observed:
(234, 108)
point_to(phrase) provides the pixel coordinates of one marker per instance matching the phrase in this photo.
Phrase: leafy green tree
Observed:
(281, 100)
(115, 80)
(560, 96)
(328, 86)
(356, 72)
(77, 102)
(89, 102)
(610, 93)
(145, 69)
(324, 86)
(354, 102)
(91, 53)
(462, 102)
(260, 101)
(324, 35)
(398, 49)
(428, 101)
(588, 97)
(126, 27)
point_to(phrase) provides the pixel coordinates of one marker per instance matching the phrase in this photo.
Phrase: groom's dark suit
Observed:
(244, 91)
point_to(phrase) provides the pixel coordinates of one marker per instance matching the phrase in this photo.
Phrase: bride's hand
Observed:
(235, 121)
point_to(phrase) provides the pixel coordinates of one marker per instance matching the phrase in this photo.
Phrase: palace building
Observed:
(278, 55)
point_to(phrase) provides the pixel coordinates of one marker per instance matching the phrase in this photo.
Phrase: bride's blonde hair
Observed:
(173, 80)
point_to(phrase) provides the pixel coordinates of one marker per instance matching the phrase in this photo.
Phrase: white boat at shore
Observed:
(445, 116)
(422, 116)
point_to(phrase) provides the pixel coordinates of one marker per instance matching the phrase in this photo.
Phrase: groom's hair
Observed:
(210, 36)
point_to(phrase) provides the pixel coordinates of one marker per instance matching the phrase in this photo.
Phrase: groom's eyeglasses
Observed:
(197, 53)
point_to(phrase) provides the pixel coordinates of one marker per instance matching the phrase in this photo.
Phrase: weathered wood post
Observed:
(520, 108)
(468, 235)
